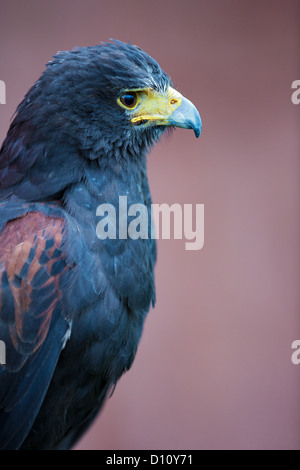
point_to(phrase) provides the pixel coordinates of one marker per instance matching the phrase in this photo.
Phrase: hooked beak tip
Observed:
(187, 116)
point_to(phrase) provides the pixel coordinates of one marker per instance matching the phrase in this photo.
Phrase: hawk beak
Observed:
(167, 109)
(187, 117)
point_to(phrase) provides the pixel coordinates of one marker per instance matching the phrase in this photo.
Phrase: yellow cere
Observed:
(153, 105)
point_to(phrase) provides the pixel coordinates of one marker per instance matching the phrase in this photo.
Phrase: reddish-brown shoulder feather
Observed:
(32, 263)
(33, 323)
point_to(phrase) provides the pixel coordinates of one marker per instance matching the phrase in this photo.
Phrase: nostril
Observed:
(173, 101)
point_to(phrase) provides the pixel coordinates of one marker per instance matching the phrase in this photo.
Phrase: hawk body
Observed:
(72, 306)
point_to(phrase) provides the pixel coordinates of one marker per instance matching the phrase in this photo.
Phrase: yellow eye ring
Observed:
(129, 100)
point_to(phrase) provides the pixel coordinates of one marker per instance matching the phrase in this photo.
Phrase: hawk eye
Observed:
(129, 100)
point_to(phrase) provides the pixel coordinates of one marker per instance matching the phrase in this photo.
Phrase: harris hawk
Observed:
(72, 305)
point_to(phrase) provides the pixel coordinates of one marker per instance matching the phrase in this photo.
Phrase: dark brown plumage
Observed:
(72, 306)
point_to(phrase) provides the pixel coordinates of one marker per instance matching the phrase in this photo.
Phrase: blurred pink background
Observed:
(213, 370)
